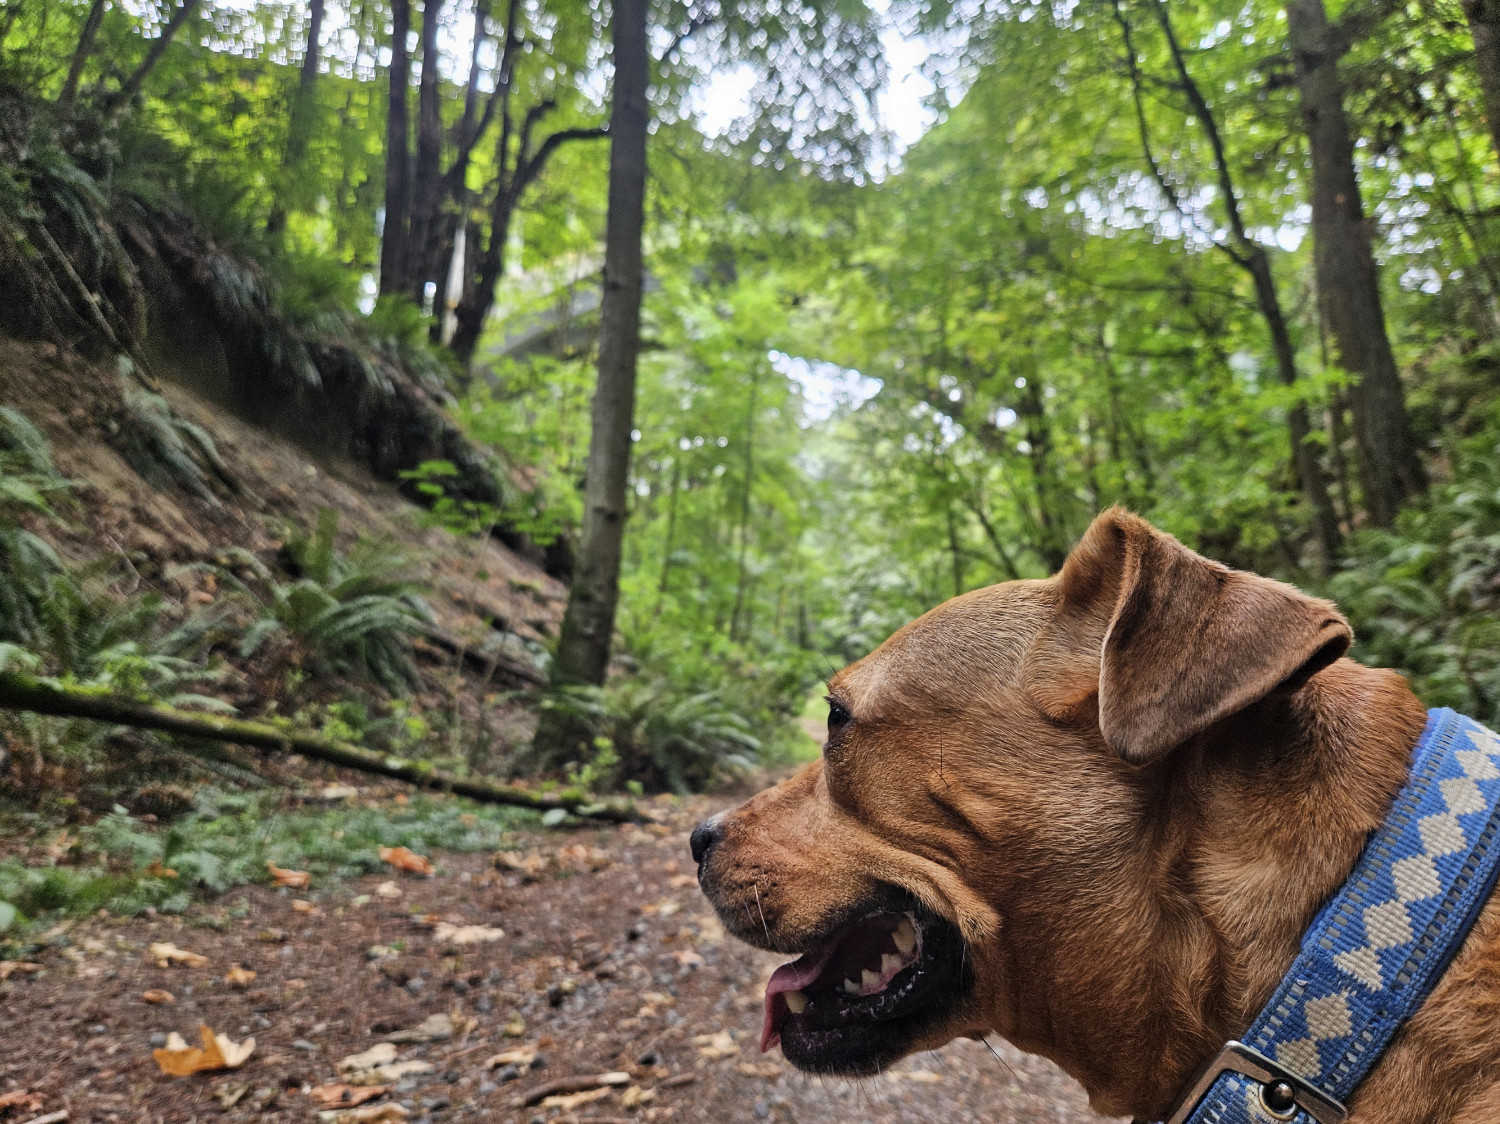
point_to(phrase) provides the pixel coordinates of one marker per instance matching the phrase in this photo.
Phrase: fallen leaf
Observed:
(179, 1059)
(434, 1028)
(301, 906)
(239, 977)
(521, 1058)
(166, 955)
(515, 1026)
(720, 1045)
(338, 792)
(365, 1114)
(291, 879)
(387, 890)
(23, 1099)
(405, 859)
(581, 857)
(157, 996)
(156, 870)
(569, 1101)
(60, 845)
(382, 1053)
(390, 1074)
(446, 933)
(635, 1095)
(230, 1095)
(346, 1096)
(8, 967)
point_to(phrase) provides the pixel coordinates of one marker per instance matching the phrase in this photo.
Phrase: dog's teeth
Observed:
(890, 964)
(851, 987)
(796, 1002)
(905, 936)
(870, 979)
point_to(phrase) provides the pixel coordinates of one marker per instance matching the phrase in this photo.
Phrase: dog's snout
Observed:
(704, 836)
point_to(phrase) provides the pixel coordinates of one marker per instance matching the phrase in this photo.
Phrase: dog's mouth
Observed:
(857, 1001)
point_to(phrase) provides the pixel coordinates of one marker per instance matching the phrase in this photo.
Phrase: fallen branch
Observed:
(480, 660)
(570, 1085)
(19, 691)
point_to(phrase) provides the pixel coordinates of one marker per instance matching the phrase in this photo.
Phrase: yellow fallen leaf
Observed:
(179, 1059)
(445, 933)
(403, 858)
(166, 954)
(514, 1027)
(635, 1095)
(521, 1058)
(291, 879)
(346, 1096)
(301, 906)
(157, 996)
(239, 976)
(721, 1045)
(387, 890)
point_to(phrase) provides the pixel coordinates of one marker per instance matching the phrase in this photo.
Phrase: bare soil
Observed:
(611, 961)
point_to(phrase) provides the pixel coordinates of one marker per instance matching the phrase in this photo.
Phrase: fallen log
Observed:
(19, 691)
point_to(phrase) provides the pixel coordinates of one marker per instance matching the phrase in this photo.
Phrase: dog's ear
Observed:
(1169, 642)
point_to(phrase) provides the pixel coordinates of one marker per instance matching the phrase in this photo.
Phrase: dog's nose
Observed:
(704, 836)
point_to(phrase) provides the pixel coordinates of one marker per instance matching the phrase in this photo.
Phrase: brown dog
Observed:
(1092, 814)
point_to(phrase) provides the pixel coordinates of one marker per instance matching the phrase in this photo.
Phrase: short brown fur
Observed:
(1131, 787)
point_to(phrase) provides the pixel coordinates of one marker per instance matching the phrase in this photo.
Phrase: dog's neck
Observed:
(1289, 790)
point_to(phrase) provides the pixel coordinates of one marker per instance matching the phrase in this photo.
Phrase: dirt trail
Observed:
(610, 961)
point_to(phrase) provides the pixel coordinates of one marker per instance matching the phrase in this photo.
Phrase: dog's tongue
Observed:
(792, 977)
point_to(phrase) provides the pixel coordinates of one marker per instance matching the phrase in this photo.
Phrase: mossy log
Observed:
(19, 691)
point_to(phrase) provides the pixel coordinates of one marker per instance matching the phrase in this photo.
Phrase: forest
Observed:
(536, 400)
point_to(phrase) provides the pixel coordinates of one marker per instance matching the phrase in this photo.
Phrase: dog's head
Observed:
(995, 782)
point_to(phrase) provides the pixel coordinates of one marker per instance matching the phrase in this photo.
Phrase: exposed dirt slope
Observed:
(611, 961)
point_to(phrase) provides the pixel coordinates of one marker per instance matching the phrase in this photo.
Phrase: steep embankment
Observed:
(486, 598)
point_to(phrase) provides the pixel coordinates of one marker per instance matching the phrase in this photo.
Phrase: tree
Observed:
(69, 92)
(393, 239)
(302, 118)
(1347, 275)
(1484, 25)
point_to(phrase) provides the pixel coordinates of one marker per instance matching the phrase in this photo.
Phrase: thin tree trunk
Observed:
(393, 241)
(1252, 257)
(955, 551)
(81, 55)
(1484, 26)
(300, 126)
(584, 645)
(25, 692)
(744, 521)
(427, 175)
(115, 104)
(1348, 278)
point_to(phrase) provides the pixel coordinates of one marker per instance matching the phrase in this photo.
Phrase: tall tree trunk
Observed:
(81, 55)
(583, 648)
(300, 126)
(1484, 25)
(1252, 257)
(1348, 278)
(397, 157)
(115, 104)
(741, 581)
(422, 265)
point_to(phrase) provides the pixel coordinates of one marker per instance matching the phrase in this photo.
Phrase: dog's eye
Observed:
(838, 716)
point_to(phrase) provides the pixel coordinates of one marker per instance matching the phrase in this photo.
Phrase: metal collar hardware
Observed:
(1236, 1057)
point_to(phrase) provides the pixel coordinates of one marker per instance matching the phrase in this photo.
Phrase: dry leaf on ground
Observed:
(387, 890)
(230, 1095)
(390, 1074)
(301, 906)
(382, 1053)
(156, 870)
(22, 1099)
(435, 1028)
(218, 1052)
(157, 996)
(291, 879)
(403, 858)
(635, 1095)
(719, 1045)
(239, 976)
(521, 1059)
(446, 933)
(581, 857)
(166, 954)
(7, 967)
(529, 865)
(346, 1096)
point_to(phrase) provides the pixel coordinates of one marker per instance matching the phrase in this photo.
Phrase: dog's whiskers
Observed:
(1014, 1075)
(763, 925)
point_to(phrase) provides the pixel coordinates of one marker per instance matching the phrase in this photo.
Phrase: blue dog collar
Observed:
(1376, 950)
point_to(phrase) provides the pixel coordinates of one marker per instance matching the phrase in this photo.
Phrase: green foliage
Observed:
(647, 732)
(354, 612)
